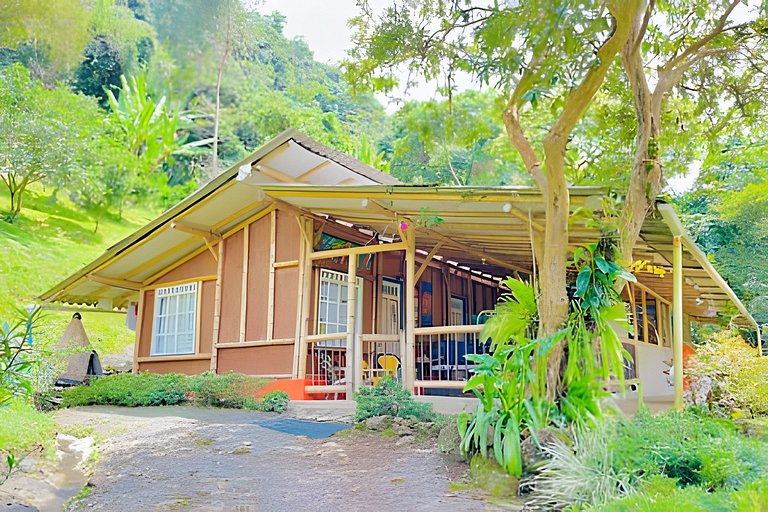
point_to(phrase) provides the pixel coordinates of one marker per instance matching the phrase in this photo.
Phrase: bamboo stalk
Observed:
(271, 282)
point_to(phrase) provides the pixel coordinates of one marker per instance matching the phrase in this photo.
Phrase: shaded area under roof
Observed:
(487, 229)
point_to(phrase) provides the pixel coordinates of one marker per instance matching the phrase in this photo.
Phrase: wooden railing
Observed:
(441, 355)
(382, 355)
(326, 363)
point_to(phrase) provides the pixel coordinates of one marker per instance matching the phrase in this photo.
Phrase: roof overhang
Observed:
(112, 280)
(487, 229)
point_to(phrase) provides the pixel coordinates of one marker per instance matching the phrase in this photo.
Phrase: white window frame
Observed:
(166, 343)
(341, 281)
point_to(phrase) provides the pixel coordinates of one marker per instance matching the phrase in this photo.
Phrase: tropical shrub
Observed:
(148, 389)
(511, 382)
(16, 364)
(736, 370)
(691, 447)
(389, 398)
(654, 456)
(275, 401)
(128, 390)
(230, 390)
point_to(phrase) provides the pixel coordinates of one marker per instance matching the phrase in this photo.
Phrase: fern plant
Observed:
(511, 382)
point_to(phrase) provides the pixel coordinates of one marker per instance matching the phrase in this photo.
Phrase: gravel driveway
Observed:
(181, 458)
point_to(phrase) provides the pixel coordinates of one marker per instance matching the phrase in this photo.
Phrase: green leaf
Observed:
(582, 281)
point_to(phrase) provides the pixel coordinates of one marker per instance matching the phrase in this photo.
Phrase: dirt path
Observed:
(219, 460)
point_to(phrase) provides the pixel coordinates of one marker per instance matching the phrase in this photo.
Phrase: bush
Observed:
(688, 450)
(148, 389)
(736, 370)
(230, 390)
(691, 447)
(275, 401)
(129, 390)
(389, 398)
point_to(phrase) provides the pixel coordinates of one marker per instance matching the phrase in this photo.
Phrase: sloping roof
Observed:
(498, 222)
(215, 207)
(485, 228)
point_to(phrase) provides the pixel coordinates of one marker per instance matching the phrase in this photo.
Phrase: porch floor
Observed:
(344, 410)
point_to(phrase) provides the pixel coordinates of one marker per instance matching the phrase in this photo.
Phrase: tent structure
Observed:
(83, 362)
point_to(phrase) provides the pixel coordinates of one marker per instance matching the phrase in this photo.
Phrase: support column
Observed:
(354, 368)
(306, 227)
(677, 319)
(409, 360)
(217, 309)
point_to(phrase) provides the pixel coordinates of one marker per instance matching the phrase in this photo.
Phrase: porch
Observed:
(484, 234)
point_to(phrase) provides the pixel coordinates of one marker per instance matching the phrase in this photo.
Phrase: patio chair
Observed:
(389, 363)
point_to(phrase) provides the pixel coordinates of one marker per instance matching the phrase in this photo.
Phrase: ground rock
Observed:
(530, 451)
(405, 440)
(448, 441)
(378, 423)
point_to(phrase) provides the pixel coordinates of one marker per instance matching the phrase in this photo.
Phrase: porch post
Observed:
(677, 319)
(354, 354)
(409, 361)
(306, 227)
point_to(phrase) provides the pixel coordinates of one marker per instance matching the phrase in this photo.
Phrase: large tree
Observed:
(678, 60)
(683, 49)
(538, 52)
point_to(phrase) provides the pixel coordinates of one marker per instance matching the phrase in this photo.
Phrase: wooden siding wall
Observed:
(246, 296)
(258, 279)
(201, 268)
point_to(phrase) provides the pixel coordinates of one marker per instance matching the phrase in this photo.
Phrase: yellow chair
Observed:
(389, 365)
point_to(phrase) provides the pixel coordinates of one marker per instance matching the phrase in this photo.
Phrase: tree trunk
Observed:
(645, 180)
(217, 113)
(553, 301)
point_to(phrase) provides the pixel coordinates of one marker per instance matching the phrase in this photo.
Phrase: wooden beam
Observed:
(115, 283)
(274, 174)
(427, 259)
(250, 220)
(477, 254)
(354, 251)
(408, 359)
(244, 286)
(208, 235)
(313, 170)
(157, 275)
(677, 319)
(198, 315)
(137, 337)
(154, 260)
(271, 279)
(302, 311)
(517, 212)
(354, 353)
(286, 264)
(217, 309)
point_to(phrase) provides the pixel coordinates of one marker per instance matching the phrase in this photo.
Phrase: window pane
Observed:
(174, 320)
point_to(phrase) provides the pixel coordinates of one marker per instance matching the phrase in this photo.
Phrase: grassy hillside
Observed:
(50, 241)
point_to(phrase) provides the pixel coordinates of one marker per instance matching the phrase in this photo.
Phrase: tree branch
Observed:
(511, 117)
(704, 40)
(643, 27)
(578, 100)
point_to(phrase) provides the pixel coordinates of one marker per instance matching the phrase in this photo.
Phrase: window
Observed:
(332, 306)
(173, 326)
